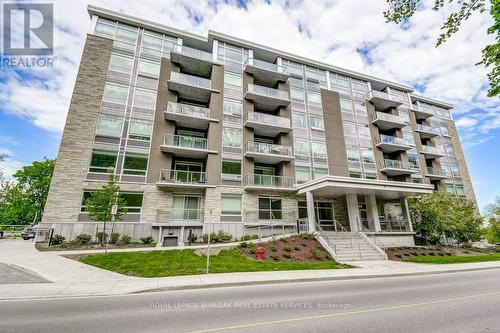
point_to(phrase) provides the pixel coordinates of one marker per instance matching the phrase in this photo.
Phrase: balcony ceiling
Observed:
(191, 92)
(392, 147)
(191, 64)
(188, 121)
(265, 76)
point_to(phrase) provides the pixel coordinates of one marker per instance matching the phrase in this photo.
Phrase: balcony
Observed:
(190, 116)
(191, 87)
(265, 71)
(391, 144)
(186, 146)
(421, 113)
(386, 121)
(426, 132)
(436, 174)
(265, 98)
(397, 168)
(431, 152)
(269, 183)
(179, 216)
(269, 153)
(382, 100)
(266, 124)
(193, 61)
(176, 179)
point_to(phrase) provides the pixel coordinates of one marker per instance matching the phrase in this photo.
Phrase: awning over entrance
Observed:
(335, 186)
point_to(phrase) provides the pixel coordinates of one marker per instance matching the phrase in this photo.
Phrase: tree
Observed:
(100, 203)
(400, 11)
(439, 215)
(3, 157)
(492, 212)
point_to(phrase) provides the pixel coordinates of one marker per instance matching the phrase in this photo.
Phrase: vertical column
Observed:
(371, 205)
(215, 50)
(250, 57)
(406, 212)
(311, 217)
(353, 211)
(93, 23)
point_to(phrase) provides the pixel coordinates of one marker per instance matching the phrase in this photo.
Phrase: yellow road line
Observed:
(348, 313)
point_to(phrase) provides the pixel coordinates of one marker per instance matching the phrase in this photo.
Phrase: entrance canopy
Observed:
(334, 186)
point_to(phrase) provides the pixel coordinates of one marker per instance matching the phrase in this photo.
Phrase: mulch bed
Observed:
(402, 253)
(298, 248)
(71, 247)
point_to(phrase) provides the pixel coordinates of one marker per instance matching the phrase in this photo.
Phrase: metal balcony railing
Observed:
(191, 52)
(184, 141)
(181, 176)
(188, 110)
(425, 128)
(380, 94)
(266, 91)
(437, 172)
(179, 214)
(269, 181)
(389, 117)
(393, 140)
(268, 119)
(271, 149)
(396, 164)
(191, 80)
(266, 65)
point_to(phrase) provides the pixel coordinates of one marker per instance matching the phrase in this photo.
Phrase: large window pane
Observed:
(149, 68)
(233, 107)
(299, 120)
(233, 80)
(103, 161)
(135, 164)
(144, 98)
(231, 137)
(121, 63)
(318, 149)
(231, 167)
(301, 147)
(320, 172)
(115, 93)
(230, 204)
(317, 123)
(140, 129)
(302, 174)
(133, 201)
(110, 125)
(297, 95)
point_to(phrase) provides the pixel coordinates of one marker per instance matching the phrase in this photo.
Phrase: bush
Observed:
(296, 248)
(303, 244)
(102, 237)
(284, 240)
(243, 244)
(252, 250)
(218, 237)
(307, 235)
(275, 256)
(83, 239)
(124, 240)
(148, 240)
(249, 237)
(274, 248)
(58, 239)
(317, 254)
(286, 255)
(115, 236)
(287, 248)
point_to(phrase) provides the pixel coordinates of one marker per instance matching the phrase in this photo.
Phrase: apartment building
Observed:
(217, 133)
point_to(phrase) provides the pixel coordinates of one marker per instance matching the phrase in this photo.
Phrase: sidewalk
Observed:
(72, 278)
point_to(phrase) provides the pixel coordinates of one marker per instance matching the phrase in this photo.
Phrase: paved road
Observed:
(455, 302)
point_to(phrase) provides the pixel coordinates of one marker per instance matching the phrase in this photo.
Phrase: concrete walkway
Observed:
(72, 278)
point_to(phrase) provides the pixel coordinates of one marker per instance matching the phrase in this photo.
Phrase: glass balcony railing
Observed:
(432, 150)
(179, 214)
(266, 66)
(380, 94)
(181, 176)
(269, 181)
(396, 164)
(428, 129)
(188, 110)
(437, 172)
(194, 53)
(393, 140)
(268, 119)
(185, 141)
(191, 80)
(389, 118)
(268, 92)
(271, 149)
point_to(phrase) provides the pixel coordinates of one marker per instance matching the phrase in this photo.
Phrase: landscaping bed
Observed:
(76, 246)
(442, 254)
(84, 242)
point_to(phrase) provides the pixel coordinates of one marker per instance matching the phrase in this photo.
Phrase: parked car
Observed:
(497, 244)
(29, 232)
(1, 234)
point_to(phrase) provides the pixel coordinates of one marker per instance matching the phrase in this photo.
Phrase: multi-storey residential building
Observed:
(219, 133)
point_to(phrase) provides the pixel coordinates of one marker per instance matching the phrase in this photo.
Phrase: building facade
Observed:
(217, 133)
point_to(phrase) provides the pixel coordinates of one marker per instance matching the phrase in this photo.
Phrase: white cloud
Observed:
(332, 31)
(9, 166)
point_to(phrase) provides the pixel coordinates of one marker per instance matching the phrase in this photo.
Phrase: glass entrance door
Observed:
(363, 215)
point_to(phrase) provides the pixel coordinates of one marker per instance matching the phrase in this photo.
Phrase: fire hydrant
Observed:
(260, 253)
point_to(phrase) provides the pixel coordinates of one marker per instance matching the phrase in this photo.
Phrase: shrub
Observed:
(296, 248)
(432, 254)
(275, 256)
(284, 240)
(218, 237)
(466, 251)
(148, 240)
(317, 254)
(274, 248)
(115, 236)
(83, 239)
(252, 250)
(287, 248)
(243, 244)
(58, 239)
(307, 235)
(286, 255)
(255, 236)
(398, 256)
(406, 254)
(246, 238)
(102, 237)
(124, 240)
(303, 244)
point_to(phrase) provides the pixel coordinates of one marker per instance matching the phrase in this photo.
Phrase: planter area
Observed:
(442, 254)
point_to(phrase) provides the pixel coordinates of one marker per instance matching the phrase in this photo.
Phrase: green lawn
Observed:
(454, 259)
(186, 262)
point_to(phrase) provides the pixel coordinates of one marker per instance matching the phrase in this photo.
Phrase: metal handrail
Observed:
(191, 80)
(192, 52)
(267, 148)
(436, 171)
(181, 176)
(396, 164)
(325, 237)
(188, 110)
(185, 141)
(268, 119)
(266, 91)
(269, 181)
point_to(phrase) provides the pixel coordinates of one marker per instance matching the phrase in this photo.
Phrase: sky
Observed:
(345, 33)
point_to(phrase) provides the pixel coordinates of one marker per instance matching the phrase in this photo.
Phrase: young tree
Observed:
(100, 203)
(492, 213)
(400, 11)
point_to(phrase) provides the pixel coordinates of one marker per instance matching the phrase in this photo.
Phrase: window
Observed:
(352, 153)
(297, 95)
(140, 129)
(186, 207)
(360, 108)
(270, 209)
(367, 156)
(109, 125)
(144, 98)
(317, 123)
(264, 176)
(126, 32)
(302, 205)
(363, 130)
(299, 120)
(450, 188)
(135, 164)
(149, 68)
(233, 107)
(318, 149)
(115, 93)
(105, 26)
(349, 129)
(409, 138)
(320, 172)
(231, 169)
(121, 63)
(301, 147)
(460, 190)
(346, 105)
(313, 98)
(230, 204)
(231, 137)
(302, 174)
(233, 80)
(413, 160)
(133, 202)
(103, 161)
